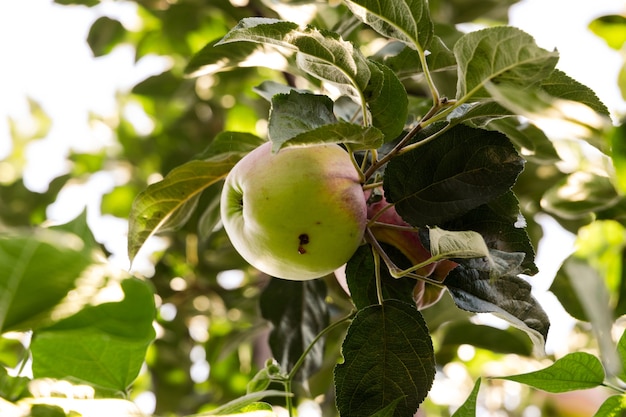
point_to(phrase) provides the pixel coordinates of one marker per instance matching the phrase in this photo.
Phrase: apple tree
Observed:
(447, 139)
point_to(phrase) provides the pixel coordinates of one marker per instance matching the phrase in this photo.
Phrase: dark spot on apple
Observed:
(304, 239)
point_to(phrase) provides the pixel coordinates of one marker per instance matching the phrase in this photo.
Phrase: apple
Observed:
(297, 214)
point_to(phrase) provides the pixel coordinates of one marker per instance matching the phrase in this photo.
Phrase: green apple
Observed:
(296, 214)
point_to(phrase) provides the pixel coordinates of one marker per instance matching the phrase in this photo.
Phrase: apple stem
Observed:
(394, 270)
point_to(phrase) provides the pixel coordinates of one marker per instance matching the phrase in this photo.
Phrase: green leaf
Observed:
(468, 408)
(27, 256)
(231, 143)
(361, 278)
(562, 288)
(405, 61)
(531, 141)
(295, 113)
(611, 28)
(578, 370)
(307, 119)
(320, 53)
(621, 351)
(103, 345)
(167, 204)
(500, 55)
(88, 3)
(580, 194)
(591, 291)
(12, 388)
(502, 226)
(213, 58)
(405, 20)
(614, 406)
(444, 178)
(484, 337)
(508, 297)
(387, 101)
(618, 155)
(104, 35)
(388, 355)
(240, 403)
(298, 313)
(561, 85)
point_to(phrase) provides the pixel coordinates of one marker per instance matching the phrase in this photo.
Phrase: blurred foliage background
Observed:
(211, 337)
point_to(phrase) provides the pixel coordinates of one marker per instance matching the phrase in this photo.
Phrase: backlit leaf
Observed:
(405, 20)
(574, 371)
(103, 345)
(167, 204)
(468, 408)
(500, 55)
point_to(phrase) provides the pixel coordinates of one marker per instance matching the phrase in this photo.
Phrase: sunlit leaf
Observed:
(611, 28)
(468, 408)
(405, 20)
(614, 406)
(617, 140)
(103, 345)
(39, 268)
(500, 55)
(173, 198)
(322, 54)
(579, 194)
(388, 355)
(574, 371)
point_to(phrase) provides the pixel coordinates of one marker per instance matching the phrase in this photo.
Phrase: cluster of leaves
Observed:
(447, 125)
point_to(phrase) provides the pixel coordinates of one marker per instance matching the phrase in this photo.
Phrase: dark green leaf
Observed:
(405, 62)
(562, 288)
(591, 291)
(468, 408)
(500, 55)
(307, 119)
(405, 20)
(621, 351)
(485, 337)
(445, 178)
(361, 278)
(298, 313)
(578, 370)
(88, 3)
(528, 138)
(173, 198)
(507, 297)
(387, 101)
(103, 345)
(12, 388)
(104, 35)
(225, 143)
(502, 226)
(47, 410)
(388, 355)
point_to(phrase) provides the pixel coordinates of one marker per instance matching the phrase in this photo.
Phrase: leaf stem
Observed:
(329, 328)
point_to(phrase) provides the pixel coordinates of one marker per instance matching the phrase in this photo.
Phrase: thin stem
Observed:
(301, 359)
(379, 283)
(394, 270)
(428, 77)
(288, 401)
